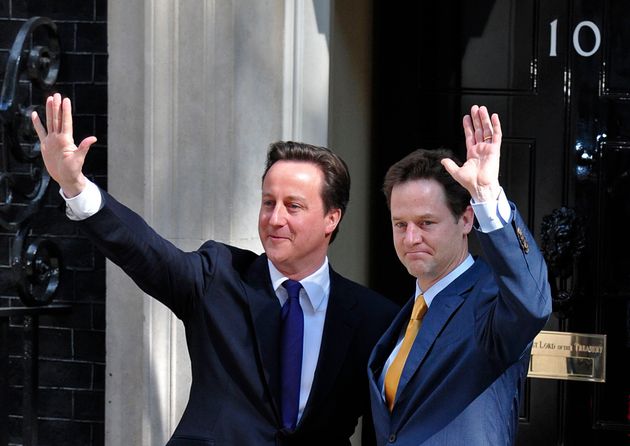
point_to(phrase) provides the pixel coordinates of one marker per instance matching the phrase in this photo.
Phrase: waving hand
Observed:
(480, 173)
(63, 159)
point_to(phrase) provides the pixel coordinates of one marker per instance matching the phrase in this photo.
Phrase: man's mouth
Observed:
(418, 253)
(278, 237)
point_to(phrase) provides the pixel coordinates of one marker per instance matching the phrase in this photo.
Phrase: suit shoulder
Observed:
(222, 254)
(372, 302)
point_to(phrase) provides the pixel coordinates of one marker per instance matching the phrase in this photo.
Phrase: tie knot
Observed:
(419, 308)
(293, 288)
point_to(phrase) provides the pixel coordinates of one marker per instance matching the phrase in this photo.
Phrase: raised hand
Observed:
(480, 173)
(63, 159)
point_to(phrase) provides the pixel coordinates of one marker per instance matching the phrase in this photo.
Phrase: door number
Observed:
(553, 27)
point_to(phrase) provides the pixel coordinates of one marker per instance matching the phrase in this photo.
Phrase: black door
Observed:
(558, 74)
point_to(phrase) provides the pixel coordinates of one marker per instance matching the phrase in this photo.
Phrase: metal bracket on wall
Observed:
(32, 68)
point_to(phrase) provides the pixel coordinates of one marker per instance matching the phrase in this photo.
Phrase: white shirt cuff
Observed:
(492, 215)
(84, 205)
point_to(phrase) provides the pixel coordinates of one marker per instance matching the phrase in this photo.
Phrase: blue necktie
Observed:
(291, 341)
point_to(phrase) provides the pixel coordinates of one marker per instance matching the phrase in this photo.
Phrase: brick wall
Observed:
(72, 349)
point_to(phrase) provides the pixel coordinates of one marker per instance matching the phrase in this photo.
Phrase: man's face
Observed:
(292, 224)
(428, 239)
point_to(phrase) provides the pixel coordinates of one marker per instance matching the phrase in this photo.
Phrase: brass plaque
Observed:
(571, 356)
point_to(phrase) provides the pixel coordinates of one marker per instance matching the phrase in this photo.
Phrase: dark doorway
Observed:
(558, 74)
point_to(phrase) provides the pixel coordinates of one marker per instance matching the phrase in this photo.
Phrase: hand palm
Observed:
(63, 159)
(60, 154)
(480, 173)
(482, 164)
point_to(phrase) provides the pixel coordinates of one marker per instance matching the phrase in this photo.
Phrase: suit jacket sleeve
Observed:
(159, 268)
(524, 302)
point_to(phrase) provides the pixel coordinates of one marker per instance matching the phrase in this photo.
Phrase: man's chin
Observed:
(275, 255)
(416, 271)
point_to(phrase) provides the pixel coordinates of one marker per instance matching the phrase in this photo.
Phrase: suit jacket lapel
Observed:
(440, 312)
(265, 311)
(339, 326)
(381, 352)
(435, 319)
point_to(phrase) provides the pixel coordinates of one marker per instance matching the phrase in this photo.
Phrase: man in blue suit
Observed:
(278, 342)
(451, 367)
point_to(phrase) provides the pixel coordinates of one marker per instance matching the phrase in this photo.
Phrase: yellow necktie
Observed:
(392, 377)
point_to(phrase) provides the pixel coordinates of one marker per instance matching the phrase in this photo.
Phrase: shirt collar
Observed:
(445, 281)
(316, 286)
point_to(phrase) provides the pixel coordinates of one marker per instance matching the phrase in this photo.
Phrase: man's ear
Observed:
(333, 217)
(467, 218)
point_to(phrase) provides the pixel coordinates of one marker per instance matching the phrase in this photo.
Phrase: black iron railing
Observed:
(33, 65)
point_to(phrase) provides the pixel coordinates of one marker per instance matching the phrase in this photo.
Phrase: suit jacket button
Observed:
(392, 438)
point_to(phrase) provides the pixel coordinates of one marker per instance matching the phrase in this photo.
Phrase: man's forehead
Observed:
(423, 198)
(418, 190)
(283, 195)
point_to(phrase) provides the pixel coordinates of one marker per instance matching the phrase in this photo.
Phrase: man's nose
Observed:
(278, 215)
(413, 234)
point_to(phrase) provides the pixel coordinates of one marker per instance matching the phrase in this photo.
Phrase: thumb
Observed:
(39, 127)
(450, 166)
(86, 143)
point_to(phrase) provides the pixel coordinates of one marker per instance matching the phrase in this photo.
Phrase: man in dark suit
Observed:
(450, 369)
(278, 342)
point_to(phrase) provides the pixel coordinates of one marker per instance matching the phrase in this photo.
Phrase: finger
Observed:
(496, 129)
(469, 131)
(484, 118)
(56, 124)
(474, 114)
(66, 122)
(468, 125)
(49, 112)
(85, 145)
(39, 128)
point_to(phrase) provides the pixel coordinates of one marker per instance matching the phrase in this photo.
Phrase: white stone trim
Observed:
(306, 71)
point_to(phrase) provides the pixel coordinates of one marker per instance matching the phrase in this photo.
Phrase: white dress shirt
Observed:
(84, 205)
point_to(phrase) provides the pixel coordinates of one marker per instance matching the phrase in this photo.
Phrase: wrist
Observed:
(482, 194)
(71, 189)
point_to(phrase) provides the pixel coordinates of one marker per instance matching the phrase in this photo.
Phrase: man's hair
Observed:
(425, 165)
(335, 192)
